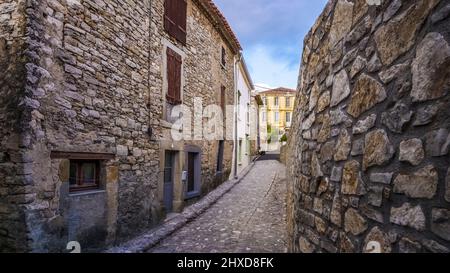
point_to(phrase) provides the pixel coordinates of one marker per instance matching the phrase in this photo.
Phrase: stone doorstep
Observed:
(150, 239)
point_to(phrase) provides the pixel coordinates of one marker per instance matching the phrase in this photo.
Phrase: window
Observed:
(277, 116)
(174, 64)
(266, 101)
(288, 102)
(84, 175)
(223, 101)
(276, 101)
(224, 57)
(248, 112)
(288, 117)
(264, 117)
(175, 19)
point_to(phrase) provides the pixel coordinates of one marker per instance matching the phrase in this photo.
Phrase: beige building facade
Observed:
(276, 116)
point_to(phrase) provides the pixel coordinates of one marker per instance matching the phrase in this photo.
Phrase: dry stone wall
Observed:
(369, 149)
(14, 180)
(85, 89)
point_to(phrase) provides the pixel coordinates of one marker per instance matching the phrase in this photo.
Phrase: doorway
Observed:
(169, 168)
(219, 169)
(193, 168)
(191, 172)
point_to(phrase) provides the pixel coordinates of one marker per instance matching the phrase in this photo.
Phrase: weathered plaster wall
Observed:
(369, 148)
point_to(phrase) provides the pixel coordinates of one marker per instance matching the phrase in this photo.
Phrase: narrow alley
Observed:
(250, 218)
(133, 127)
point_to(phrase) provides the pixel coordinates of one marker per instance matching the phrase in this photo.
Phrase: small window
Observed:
(288, 102)
(276, 101)
(223, 101)
(248, 112)
(266, 101)
(224, 57)
(84, 175)
(288, 117)
(264, 118)
(277, 116)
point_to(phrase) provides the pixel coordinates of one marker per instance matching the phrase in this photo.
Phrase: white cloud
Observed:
(271, 69)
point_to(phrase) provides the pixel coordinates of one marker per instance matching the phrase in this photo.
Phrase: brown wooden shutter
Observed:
(175, 16)
(174, 64)
(169, 21)
(182, 18)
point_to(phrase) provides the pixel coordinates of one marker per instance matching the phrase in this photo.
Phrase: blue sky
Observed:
(271, 33)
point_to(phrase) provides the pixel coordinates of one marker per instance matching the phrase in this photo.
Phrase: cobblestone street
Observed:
(250, 218)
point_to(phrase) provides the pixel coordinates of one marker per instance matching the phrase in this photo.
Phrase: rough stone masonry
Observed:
(370, 160)
(86, 79)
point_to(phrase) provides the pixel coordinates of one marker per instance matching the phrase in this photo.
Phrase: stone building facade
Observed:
(84, 112)
(369, 148)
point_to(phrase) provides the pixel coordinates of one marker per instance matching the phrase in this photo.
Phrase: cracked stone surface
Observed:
(250, 218)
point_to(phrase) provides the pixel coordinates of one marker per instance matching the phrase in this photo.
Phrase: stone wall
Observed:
(204, 77)
(370, 140)
(88, 83)
(14, 182)
(92, 82)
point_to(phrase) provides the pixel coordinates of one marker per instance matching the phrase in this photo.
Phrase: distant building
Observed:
(255, 124)
(245, 124)
(275, 116)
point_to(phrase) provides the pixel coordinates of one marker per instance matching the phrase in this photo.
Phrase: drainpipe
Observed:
(149, 102)
(236, 141)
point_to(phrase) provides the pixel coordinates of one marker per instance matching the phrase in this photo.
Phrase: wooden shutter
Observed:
(175, 16)
(174, 63)
(181, 22)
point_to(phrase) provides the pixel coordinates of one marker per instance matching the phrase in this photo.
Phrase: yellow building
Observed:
(276, 116)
